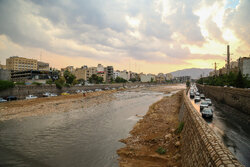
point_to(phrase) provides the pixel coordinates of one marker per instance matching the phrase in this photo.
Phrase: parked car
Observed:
(197, 94)
(207, 113)
(191, 95)
(208, 101)
(65, 94)
(89, 91)
(78, 91)
(202, 96)
(197, 99)
(203, 105)
(53, 95)
(47, 94)
(11, 98)
(2, 100)
(30, 97)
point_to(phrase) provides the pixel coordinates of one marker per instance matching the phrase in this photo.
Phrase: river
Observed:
(85, 137)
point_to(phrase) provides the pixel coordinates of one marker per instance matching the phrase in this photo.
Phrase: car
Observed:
(203, 105)
(107, 88)
(2, 100)
(207, 113)
(98, 90)
(208, 101)
(53, 95)
(11, 98)
(89, 91)
(191, 95)
(197, 94)
(202, 96)
(65, 94)
(30, 97)
(78, 91)
(47, 94)
(197, 99)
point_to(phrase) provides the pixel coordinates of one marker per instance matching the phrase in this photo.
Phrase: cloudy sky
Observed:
(148, 36)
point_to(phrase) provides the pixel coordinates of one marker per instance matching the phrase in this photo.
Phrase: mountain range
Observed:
(195, 73)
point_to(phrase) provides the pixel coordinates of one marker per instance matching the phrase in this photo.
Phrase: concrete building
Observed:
(31, 76)
(42, 66)
(90, 72)
(101, 72)
(124, 74)
(16, 63)
(147, 78)
(160, 78)
(244, 66)
(116, 74)
(169, 76)
(68, 68)
(3, 67)
(81, 73)
(109, 72)
(5, 74)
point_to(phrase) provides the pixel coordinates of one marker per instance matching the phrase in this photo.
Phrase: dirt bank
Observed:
(156, 131)
(39, 106)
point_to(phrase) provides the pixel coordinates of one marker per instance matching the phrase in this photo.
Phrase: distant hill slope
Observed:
(195, 73)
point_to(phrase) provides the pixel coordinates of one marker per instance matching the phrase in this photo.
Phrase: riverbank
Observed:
(40, 106)
(156, 131)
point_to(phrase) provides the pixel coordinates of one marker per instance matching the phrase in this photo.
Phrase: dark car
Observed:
(207, 113)
(191, 95)
(197, 99)
(203, 105)
(202, 96)
(11, 98)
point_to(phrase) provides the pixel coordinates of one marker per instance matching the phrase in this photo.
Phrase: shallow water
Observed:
(85, 137)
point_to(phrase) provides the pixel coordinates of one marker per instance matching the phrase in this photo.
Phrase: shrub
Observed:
(58, 85)
(49, 81)
(161, 150)
(180, 127)
(20, 83)
(6, 84)
(36, 83)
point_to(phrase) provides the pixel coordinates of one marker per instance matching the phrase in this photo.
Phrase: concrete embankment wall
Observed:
(200, 147)
(21, 91)
(234, 97)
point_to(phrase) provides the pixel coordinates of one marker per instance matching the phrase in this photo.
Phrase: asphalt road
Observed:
(232, 126)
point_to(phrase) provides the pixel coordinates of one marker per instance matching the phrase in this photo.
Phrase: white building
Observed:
(124, 74)
(244, 65)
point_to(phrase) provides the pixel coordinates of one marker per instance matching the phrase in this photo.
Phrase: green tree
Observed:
(188, 83)
(95, 79)
(120, 80)
(132, 79)
(239, 83)
(6, 84)
(69, 77)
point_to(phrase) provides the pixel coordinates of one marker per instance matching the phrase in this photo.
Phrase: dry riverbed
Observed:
(156, 131)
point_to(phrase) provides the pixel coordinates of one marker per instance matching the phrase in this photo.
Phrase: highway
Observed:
(232, 126)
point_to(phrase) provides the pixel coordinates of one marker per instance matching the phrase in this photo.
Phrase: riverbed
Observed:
(88, 136)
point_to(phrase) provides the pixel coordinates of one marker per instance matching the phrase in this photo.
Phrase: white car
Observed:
(208, 101)
(53, 95)
(2, 100)
(47, 94)
(30, 97)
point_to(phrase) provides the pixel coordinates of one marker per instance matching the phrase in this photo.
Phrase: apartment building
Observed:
(110, 71)
(90, 72)
(42, 66)
(244, 65)
(16, 63)
(81, 73)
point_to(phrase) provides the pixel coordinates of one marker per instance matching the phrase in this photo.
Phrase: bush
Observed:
(161, 150)
(36, 83)
(180, 127)
(20, 83)
(49, 81)
(58, 84)
(6, 84)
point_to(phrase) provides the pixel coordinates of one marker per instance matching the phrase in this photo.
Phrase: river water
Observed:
(84, 137)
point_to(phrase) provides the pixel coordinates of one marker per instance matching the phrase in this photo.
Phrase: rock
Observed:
(172, 130)
(177, 144)
(168, 137)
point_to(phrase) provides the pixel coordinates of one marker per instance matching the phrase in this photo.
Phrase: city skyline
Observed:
(145, 36)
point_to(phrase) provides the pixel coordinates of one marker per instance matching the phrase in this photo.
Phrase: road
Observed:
(232, 127)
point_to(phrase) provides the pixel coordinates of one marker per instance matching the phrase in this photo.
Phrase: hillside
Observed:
(195, 73)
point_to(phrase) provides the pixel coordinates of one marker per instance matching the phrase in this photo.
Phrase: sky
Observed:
(149, 36)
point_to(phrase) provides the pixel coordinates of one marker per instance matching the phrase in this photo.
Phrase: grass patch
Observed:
(180, 128)
(161, 151)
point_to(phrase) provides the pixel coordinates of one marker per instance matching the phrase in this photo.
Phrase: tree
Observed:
(6, 84)
(132, 79)
(120, 80)
(69, 77)
(95, 79)
(188, 83)
(239, 83)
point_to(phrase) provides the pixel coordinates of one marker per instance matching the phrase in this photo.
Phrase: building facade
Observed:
(244, 66)
(42, 66)
(16, 63)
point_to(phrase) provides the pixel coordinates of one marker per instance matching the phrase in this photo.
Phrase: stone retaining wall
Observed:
(21, 91)
(200, 147)
(234, 97)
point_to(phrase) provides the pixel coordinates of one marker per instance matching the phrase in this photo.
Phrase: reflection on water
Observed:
(85, 137)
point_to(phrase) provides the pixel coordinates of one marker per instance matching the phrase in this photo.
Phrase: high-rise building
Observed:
(244, 65)
(16, 63)
(109, 71)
